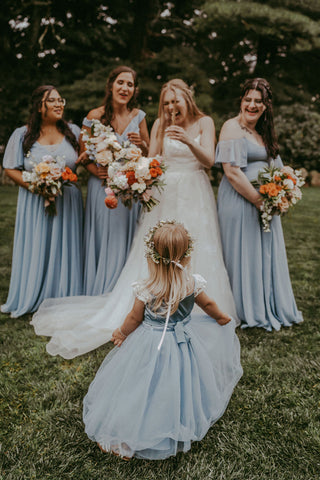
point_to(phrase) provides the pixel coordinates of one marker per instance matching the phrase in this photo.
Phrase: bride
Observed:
(185, 137)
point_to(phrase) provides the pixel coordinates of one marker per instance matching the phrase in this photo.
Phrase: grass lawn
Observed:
(270, 430)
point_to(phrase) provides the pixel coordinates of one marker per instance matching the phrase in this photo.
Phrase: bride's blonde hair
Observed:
(168, 244)
(176, 85)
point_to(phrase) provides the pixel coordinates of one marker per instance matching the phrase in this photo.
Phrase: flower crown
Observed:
(151, 252)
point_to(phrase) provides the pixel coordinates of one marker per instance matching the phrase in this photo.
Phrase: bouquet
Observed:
(101, 145)
(130, 175)
(280, 189)
(131, 178)
(47, 179)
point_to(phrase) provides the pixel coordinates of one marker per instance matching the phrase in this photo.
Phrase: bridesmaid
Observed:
(256, 261)
(108, 233)
(47, 260)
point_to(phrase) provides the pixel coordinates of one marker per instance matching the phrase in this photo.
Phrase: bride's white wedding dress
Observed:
(80, 324)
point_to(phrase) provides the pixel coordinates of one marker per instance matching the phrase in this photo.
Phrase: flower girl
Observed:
(164, 387)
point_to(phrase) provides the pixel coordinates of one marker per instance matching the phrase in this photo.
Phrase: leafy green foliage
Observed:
(298, 128)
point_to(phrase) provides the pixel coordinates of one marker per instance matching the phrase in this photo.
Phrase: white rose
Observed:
(121, 182)
(288, 184)
(140, 187)
(104, 158)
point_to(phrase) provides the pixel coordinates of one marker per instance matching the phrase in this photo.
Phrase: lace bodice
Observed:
(179, 157)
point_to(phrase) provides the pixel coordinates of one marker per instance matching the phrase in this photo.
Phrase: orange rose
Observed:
(73, 177)
(111, 201)
(153, 172)
(131, 177)
(271, 189)
(277, 179)
(160, 172)
(154, 163)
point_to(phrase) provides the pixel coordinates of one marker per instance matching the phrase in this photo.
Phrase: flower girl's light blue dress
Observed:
(256, 260)
(152, 404)
(47, 251)
(108, 233)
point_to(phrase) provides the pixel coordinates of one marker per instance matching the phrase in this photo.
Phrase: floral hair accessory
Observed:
(151, 252)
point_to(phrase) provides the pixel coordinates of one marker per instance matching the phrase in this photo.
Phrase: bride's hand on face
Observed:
(178, 133)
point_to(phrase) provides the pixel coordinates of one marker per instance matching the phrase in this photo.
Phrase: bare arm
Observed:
(155, 146)
(16, 176)
(211, 308)
(205, 151)
(131, 322)
(242, 185)
(230, 131)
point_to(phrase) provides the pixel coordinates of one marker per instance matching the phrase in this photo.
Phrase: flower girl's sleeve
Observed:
(13, 155)
(232, 151)
(141, 292)
(199, 284)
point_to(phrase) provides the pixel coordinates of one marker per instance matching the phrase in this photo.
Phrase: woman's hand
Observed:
(83, 159)
(102, 172)
(137, 140)
(178, 133)
(258, 202)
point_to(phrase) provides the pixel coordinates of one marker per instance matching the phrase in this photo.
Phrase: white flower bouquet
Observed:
(101, 144)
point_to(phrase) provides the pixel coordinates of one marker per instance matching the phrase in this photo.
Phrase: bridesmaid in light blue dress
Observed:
(47, 251)
(108, 233)
(164, 388)
(256, 260)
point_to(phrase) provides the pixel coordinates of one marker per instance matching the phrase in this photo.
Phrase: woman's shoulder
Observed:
(95, 113)
(75, 129)
(231, 130)
(137, 115)
(206, 120)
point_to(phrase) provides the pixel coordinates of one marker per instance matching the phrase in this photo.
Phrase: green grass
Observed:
(270, 430)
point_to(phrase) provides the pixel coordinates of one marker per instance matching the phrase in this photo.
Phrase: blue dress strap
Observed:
(234, 151)
(13, 155)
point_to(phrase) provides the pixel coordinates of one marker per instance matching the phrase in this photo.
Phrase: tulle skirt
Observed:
(152, 404)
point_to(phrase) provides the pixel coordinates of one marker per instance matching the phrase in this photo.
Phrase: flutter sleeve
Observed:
(233, 151)
(13, 155)
(141, 292)
(75, 130)
(199, 284)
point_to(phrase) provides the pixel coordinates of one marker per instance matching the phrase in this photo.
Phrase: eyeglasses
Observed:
(60, 101)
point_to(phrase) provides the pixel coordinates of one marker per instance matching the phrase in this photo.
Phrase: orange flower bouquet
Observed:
(47, 179)
(280, 189)
(132, 177)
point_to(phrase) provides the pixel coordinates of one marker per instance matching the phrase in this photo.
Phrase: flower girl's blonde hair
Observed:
(169, 246)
